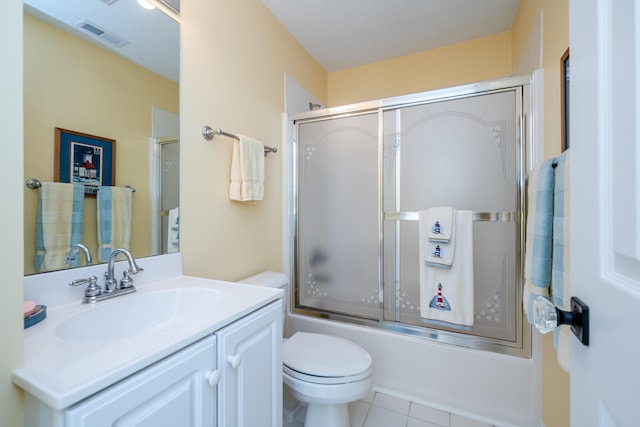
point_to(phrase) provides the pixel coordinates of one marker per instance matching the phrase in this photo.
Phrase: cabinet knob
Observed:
(235, 360)
(212, 377)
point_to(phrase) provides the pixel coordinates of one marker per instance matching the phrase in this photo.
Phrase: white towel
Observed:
(446, 293)
(440, 253)
(173, 231)
(441, 221)
(247, 170)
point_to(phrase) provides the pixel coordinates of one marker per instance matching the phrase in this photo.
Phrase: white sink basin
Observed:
(80, 349)
(136, 314)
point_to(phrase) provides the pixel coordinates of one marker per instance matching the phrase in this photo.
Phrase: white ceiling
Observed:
(152, 36)
(339, 34)
(342, 34)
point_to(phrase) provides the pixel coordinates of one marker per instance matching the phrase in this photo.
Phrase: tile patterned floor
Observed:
(381, 410)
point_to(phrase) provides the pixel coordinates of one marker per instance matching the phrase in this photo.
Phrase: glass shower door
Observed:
(338, 242)
(362, 178)
(461, 153)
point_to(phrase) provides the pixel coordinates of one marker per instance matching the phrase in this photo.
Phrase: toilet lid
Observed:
(324, 355)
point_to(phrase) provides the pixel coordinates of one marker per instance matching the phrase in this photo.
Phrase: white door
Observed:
(605, 209)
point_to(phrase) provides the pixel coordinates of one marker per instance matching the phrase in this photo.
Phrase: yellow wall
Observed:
(72, 84)
(472, 61)
(11, 355)
(232, 77)
(555, 30)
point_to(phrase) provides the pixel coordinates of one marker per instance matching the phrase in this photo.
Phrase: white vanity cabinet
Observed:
(230, 377)
(250, 363)
(173, 392)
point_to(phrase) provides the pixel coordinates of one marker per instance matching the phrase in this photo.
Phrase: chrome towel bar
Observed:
(34, 184)
(477, 216)
(208, 133)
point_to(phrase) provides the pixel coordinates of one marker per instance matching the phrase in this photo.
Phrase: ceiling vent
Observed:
(101, 34)
(108, 2)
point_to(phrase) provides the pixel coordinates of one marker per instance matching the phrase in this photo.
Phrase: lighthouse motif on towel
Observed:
(436, 228)
(437, 253)
(439, 302)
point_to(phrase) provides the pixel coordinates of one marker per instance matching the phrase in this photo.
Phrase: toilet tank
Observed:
(272, 279)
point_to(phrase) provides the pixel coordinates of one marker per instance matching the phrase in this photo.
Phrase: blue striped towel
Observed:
(560, 291)
(538, 253)
(58, 224)
(114, 220)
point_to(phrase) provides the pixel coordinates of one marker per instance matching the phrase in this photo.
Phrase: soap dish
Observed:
(38, 316)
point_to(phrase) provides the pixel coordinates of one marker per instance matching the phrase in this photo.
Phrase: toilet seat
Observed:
(324, 380)
(324, 359)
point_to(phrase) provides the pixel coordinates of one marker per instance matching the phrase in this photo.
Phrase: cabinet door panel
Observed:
(172, 392)
(249, 354)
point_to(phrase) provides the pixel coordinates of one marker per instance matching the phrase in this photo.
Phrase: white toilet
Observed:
(324, 372)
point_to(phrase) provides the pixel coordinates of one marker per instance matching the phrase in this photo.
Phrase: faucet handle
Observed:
(127, 281)
(92, 290)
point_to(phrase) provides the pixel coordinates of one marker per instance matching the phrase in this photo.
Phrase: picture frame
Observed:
(565, 79)
(86, 159)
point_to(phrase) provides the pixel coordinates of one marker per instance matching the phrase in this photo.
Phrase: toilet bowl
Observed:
(326, 373)
(323, 372)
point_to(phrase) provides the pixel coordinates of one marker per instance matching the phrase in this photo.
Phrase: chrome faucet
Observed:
(71, 256)
(94, 293)
(111, 283)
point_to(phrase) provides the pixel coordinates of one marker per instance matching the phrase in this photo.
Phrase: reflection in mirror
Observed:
(107, 68)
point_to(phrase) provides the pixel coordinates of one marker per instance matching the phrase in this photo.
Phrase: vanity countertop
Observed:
(61, 371)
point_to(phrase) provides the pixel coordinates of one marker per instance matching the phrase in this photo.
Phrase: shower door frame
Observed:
(521, 346)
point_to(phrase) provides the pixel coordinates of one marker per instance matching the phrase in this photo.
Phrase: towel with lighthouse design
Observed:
(446, 291)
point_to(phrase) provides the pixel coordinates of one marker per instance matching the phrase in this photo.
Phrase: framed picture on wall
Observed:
(85, 159)
(565, 79)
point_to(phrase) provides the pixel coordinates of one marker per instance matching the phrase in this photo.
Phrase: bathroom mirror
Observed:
(107, 68)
